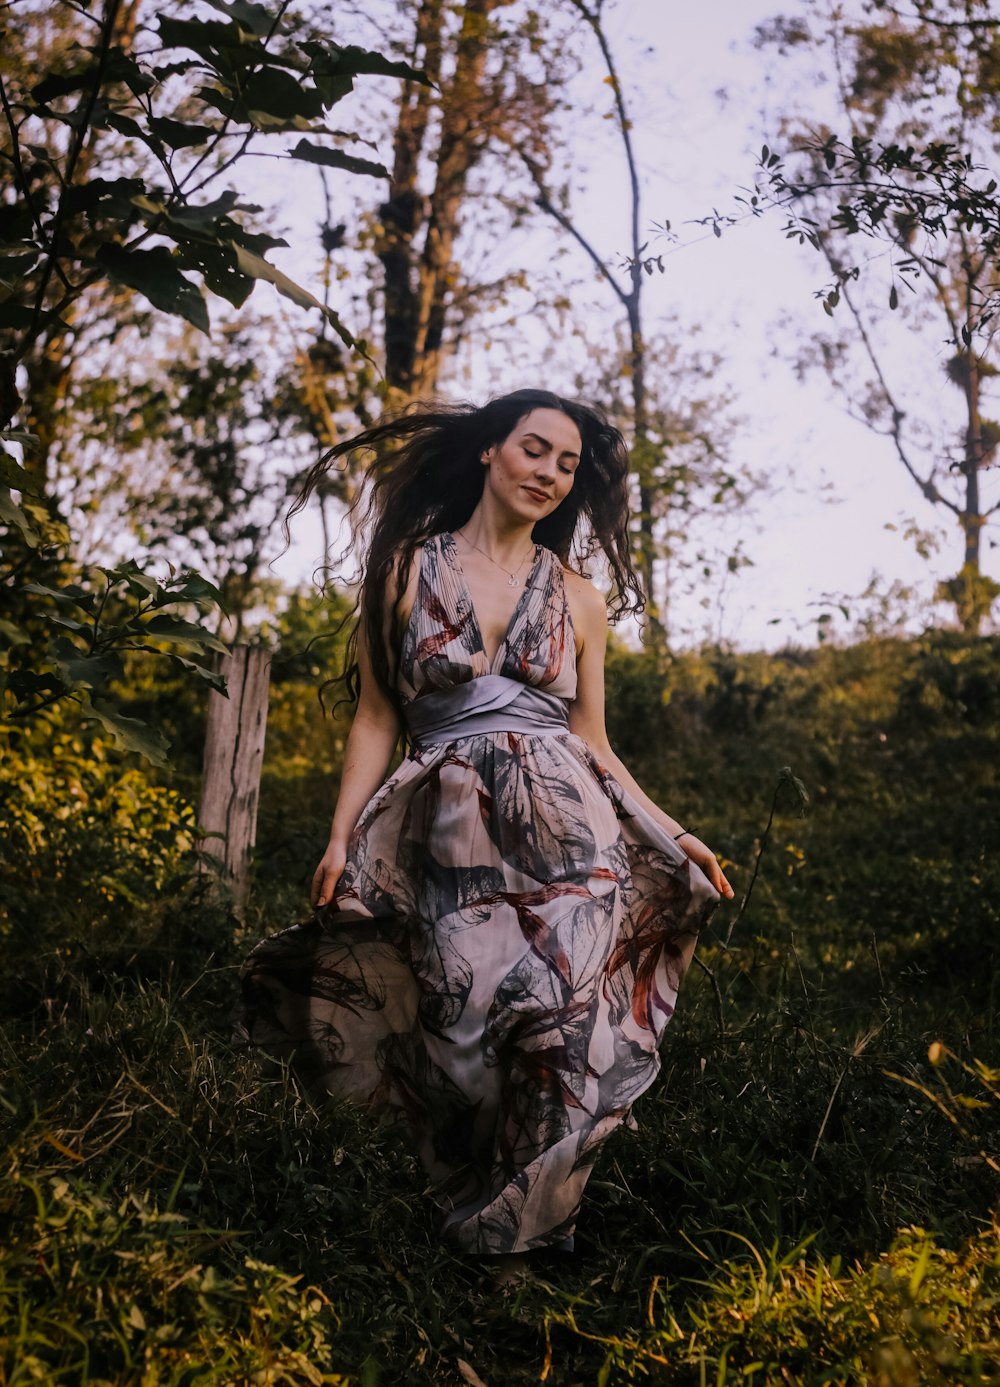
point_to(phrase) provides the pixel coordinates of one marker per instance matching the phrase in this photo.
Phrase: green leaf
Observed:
(129, 733)
(12, 514)
(337, 159)
(179, 134)
(218, 267)
(70, 622)
(215, 678)
(167, 70)
(89, 671)
(130, 128)
(120, 66)
(56, 84)
(72, 593)
(154, 274)
(212, 40)
(332, 60)
(199, 219)
(12, 474)
(257, 18)
(173, 628)
(26, 683)
(333, 88)
(13, 635)
(108, 197)
(142, 585)
(115, 66)
(27, 440)
(192, 587)
(274, 92)
(259, 268)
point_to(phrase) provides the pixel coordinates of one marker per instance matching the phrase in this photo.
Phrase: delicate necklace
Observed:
(511, 577)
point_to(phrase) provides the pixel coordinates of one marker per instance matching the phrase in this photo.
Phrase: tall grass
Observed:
(810, 1194)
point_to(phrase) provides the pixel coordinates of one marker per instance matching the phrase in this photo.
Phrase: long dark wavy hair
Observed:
(427, 477)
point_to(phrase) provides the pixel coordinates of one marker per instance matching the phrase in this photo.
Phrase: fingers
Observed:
(718, 879)
(324, 880)
(709, 864)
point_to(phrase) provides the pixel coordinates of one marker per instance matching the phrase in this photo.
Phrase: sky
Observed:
(703, 101)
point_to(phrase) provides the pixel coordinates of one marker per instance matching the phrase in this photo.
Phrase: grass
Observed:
(810, 1196)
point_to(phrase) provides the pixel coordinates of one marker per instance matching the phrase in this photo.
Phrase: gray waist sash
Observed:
(492, 703)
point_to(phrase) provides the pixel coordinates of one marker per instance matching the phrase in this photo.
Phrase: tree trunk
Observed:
(971, 610)
(49, 362)
(420, 278)
(647, 546)
(971, 519)
(234, 752)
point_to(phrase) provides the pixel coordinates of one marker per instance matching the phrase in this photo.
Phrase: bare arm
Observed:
(587, 721)
(370, 744)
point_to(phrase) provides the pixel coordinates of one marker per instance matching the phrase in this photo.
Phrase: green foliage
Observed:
(84, 841)
(972, 594)
(812, 1183)
(918, 1314)
(111, 140)
(112, 613)
(249, 75)
(116, 1283)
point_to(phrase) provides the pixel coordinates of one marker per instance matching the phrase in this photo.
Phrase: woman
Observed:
(503, 923)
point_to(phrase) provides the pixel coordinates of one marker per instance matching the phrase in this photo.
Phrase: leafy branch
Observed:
(119, 610)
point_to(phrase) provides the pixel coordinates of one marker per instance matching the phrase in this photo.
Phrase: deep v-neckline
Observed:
(477, 630)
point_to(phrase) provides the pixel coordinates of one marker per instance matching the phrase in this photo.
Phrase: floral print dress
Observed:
(507, 939)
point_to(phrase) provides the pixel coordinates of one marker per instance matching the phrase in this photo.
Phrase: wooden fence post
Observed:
(230, 775)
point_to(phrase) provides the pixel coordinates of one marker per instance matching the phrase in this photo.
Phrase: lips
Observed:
(538, 495)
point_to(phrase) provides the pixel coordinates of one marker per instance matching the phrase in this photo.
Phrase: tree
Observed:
(919, 90)
(111, 146)
(674, 456)
(190, 458)
(691, 476)
(495, 73)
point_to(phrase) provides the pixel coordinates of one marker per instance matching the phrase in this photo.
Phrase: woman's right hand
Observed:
(328, 873)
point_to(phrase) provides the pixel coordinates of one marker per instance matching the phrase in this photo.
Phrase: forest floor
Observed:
(810, 1196)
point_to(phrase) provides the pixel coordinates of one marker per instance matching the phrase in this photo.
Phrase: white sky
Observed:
(835, 485)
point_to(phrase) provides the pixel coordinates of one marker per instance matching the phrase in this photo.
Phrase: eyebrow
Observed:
(546, 444)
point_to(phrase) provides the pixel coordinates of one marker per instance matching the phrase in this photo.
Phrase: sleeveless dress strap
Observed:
(491, 703)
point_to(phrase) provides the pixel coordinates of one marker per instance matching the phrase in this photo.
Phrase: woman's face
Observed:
(531, 471)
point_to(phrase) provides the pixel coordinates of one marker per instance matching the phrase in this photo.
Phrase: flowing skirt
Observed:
(497, 969)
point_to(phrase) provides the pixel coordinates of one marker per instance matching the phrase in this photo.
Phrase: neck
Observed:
(505, 539)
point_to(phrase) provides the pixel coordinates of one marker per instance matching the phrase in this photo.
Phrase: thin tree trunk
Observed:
(403, 213)
(234, 752)
(49, 362)
(971, 519)
(420, 276)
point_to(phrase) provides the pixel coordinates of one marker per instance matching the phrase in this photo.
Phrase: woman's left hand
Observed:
(708, 862)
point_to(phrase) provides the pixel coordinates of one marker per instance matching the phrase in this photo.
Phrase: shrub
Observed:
(86, 841)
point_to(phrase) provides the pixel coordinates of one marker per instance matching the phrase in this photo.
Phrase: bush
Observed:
(87, 843)
(125, 1292)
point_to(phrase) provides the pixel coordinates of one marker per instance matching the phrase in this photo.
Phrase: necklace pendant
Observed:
(512, 581)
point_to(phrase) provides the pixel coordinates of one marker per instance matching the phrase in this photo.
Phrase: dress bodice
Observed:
(443, 643)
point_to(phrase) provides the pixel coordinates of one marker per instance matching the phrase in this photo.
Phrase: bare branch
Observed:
(568, 225)
(926, 485)
(593, 19)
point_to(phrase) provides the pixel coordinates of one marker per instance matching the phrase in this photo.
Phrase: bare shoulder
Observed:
(401, 588)
(586, 605)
